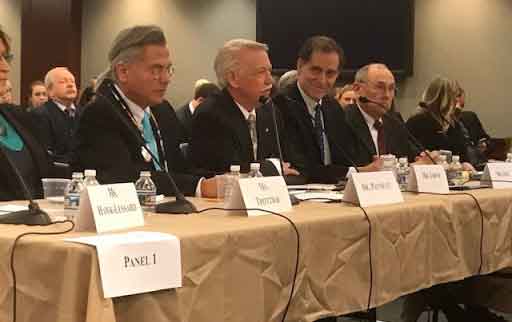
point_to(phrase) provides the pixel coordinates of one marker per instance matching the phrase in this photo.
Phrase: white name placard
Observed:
(498, 175)
(268, 193)
(136, 262)
(372, 188)
(106, 208)
(428, 178)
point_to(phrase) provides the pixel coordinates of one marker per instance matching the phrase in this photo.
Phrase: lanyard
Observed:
(121, 101)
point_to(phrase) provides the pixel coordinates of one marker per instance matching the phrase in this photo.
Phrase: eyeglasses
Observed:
(157, 71)
(8, 57)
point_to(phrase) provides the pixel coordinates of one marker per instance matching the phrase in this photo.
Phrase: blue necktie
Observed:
(149, 138)
(319, 132)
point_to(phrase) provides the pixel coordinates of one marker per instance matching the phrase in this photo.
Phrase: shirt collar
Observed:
(310, 102)
(191, 108)
(136, 110)
(63, 108)
(369, 120)
(245, 112)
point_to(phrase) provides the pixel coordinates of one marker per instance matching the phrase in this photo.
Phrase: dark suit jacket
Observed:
(10, 187)
(58, 129)
(397, 140)
(185, 117)
(220, 136)
(429, 132)
(304, 151)
(474, 126)
(109, 142)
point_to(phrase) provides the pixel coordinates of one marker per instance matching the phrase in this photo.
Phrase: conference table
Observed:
(238, 268)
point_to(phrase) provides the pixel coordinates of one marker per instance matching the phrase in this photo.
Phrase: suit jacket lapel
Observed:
(303, 113)
(357, 122)
(239, 123)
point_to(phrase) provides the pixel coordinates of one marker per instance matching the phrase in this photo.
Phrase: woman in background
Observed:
(37, 96)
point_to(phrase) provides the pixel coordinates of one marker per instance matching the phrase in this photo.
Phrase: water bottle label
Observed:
(72, 201)
(147, 199)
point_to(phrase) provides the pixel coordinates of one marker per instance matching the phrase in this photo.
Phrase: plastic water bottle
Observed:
(442, 162)
(255, 171)
(389, 163)
(73, 191)
(456, 175)
(90, 178)
(146, 191)
(403, 173)
(231, 178)
(509, 158)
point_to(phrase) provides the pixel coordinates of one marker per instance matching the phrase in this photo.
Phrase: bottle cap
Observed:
(145, 173)
(234, 168)
(77, 175)
(90, 173)
(455, 158)
(255, 166)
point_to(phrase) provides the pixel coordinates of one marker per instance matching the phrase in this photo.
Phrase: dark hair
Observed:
(35, 83)
(322, 44)
(205, 90)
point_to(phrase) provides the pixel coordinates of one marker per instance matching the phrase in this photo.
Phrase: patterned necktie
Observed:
(381, 139)
(319, 132)
(251, 123)
(149, 138)
(70, 113)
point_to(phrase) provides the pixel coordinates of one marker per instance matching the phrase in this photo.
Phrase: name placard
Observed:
(498, 175)
(268, 193)
(106, 208)
(428, 178)
(372, 188)
(136, 262)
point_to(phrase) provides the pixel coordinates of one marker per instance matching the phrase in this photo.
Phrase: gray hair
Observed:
(48, 78)
(227, 58)
(362, 73)
(128, 46)
(287, 79)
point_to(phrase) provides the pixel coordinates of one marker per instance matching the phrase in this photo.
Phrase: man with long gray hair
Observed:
(129, 103)
(232, 127)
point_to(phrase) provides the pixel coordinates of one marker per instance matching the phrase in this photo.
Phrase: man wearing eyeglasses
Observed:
(377, 127)
(130, 127)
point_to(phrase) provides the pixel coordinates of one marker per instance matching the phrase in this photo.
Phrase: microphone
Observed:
(181, 205)
(31, 217)
(412, 138)
(264, 100)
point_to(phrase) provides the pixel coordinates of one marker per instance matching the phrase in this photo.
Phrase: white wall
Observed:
(195, 29)
(10, 19)
(467, 40)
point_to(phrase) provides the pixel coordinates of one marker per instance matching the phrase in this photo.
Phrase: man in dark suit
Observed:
(320, 141)
(232, 127)
(202, 90)
(59, 115)
(379, 131)
(115, 127)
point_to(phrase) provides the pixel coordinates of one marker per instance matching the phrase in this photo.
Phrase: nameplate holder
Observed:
(112, 207)
(428, 178)
(372, 189)
(268, 193)
(498, 175)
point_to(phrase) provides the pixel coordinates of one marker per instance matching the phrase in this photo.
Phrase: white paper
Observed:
(136, 262)
(428, 178)
(372, 188)
(12, 208)
(319, 196)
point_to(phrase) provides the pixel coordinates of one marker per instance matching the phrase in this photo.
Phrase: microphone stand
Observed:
(293, 199)
(34, 215)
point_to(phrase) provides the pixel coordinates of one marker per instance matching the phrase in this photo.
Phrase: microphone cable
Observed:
(297, 234)
(13, 251)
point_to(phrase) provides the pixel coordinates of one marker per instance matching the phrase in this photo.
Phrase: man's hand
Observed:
(209, 188)
(289, 171)
(376, 165)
